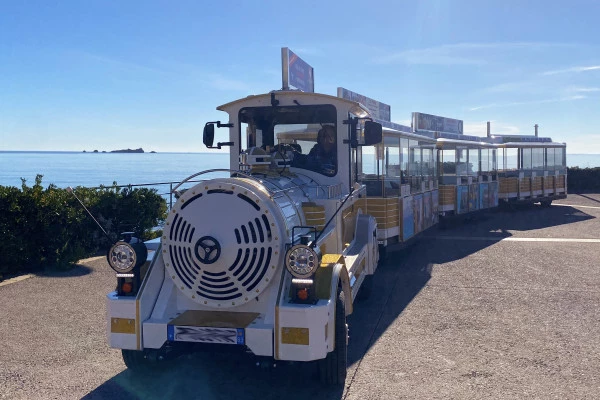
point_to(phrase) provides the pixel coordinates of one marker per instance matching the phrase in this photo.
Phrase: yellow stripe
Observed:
(277, 331)
(298, 336)
(138, 326)
(122, 325)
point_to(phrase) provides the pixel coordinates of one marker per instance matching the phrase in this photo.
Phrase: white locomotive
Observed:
(271, 257)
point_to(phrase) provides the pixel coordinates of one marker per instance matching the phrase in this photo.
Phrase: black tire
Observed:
(546, 203)
(366, 288)
(333, 368)
(382, 254)
(137, 361)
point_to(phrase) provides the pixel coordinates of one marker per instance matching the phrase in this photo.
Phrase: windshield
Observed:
(299, 137)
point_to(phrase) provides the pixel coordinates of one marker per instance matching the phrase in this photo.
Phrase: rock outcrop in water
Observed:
(140, 150)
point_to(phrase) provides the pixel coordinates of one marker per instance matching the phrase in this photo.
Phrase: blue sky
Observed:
(78, 75)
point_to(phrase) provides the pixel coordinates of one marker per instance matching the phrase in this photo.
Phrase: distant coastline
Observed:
(140, 150)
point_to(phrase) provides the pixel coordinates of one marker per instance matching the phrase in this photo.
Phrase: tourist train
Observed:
(274, 256)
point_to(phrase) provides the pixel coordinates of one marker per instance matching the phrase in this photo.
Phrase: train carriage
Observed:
(533, 170)
(400, 176)
(468, 175)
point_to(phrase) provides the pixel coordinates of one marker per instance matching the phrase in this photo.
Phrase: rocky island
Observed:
(140, 150)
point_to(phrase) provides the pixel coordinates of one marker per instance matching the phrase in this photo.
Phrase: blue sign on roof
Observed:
(296, 72)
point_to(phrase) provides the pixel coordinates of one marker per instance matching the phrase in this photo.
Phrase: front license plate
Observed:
(201, 334)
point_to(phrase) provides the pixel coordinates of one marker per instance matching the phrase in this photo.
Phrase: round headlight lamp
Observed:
(301, 260)
(124, 257)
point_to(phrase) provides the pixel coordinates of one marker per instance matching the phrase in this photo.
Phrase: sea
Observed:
(161, 171)
(156, 170)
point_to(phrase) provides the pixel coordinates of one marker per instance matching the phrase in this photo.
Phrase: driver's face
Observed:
(328, 139)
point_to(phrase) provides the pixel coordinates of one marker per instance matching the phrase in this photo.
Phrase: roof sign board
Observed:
(428, 122)
(378, 110)
(296, 72)
(522, 138)
(393, 125)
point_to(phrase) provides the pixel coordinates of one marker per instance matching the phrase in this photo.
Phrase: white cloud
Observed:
(114, 63)
(523, 103)
(222, 83)
(583, 89)
(572, 70)
(461, 53)
(584, 144)
(497, 128)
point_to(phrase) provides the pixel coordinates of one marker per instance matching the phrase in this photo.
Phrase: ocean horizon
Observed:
(90, 169)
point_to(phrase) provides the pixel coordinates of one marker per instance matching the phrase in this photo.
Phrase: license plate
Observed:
(200, 334)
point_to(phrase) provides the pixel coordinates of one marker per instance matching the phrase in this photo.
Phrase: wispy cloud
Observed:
(223, 83)
(572, 70)
(523, 103)
(115, 63)
(461, 53)
(583, 89)
(479, 128)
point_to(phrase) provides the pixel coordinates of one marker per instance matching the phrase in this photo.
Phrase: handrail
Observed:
(214, 170)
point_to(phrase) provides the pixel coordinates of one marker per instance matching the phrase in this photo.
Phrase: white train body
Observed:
(219, 273)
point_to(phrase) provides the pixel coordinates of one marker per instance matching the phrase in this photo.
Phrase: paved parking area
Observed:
(504, 307)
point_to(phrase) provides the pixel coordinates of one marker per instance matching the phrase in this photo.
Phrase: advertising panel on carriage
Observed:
(435, 123)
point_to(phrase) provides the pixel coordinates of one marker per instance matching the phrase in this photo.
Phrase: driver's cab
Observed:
(293, 132)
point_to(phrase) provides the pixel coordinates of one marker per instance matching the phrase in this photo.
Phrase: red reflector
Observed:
(302, 294)
(126, 287)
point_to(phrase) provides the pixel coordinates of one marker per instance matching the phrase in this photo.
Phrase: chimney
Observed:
(489, 131)
(536, 130)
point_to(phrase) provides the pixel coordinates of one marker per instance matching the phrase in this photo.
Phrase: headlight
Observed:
(123, 257)
(301, 260)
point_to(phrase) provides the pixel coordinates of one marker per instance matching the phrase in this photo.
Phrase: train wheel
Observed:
(333, 368)
(137, 361)
(382, 254)
(366, 288)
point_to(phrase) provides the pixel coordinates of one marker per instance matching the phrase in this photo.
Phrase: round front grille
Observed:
(220, 244)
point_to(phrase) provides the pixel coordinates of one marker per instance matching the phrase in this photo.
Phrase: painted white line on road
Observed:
(515, 239)
(575, 206)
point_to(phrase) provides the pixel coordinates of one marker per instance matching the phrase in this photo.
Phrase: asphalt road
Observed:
(503, 307)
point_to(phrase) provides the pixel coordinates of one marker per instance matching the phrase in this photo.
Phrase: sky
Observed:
(105, 75)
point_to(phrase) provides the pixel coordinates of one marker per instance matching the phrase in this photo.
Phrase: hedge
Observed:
(49, 227)
(583, 180)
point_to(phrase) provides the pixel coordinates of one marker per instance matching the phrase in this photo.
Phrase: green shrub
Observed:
(49, 227)
(583, 180)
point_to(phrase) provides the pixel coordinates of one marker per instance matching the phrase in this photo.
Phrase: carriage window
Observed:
(392, 170)
(537, 158)
(404, 160)
(448, 162)
(485, 161)
(461, 162)
(474, 162)
(414, 166)
(511, 158)
(526, 159)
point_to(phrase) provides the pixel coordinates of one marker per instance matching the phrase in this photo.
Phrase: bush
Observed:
(49, 227)
(583, 180)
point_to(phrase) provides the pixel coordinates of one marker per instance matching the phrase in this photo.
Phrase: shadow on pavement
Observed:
(76, 271)
(210, 376)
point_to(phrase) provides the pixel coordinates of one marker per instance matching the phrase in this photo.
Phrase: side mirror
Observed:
(373, 133)
(208, 136)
